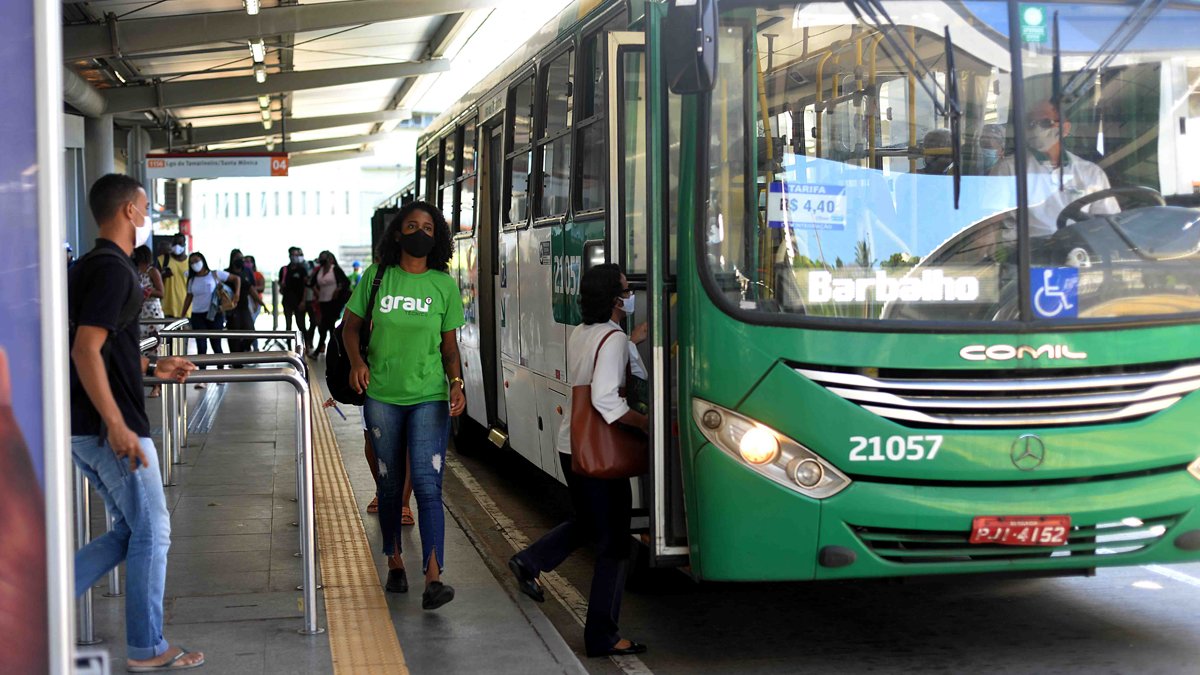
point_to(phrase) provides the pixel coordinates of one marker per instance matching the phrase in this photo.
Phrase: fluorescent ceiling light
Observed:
(266, 114)
(120, 77)
(267, 124)
(260, 73)
(264, 101)
(258, 50)
(270, 143)
(251, 6)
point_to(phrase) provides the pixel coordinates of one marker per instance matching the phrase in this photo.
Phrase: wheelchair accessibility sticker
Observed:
(1055, 292)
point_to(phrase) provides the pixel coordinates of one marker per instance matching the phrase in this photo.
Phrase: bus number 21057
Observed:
(894, 448)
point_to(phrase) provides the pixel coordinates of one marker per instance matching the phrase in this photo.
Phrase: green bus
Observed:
(922, 277)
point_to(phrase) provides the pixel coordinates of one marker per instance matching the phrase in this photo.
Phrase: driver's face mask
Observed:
(1042, 138)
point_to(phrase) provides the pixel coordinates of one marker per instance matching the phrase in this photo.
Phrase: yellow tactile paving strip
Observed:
(361, 636)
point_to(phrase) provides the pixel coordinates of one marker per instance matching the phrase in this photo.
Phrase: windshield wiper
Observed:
(954, 110)
(1113, 45)
(873, 9)
(1056, 96)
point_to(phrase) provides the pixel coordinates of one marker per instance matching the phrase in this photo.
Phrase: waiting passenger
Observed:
(110, 432)
(293, 285)
(936, 151)
(242, 315)
(413, 384)
(602, 507)
(174, 273)
(260, 285)
(332, 288)
(1046, 161)
(152, 293)
(991, 146)
(204, 300)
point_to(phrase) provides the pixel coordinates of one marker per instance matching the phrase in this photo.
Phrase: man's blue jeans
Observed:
(421, 430)
(140, 535)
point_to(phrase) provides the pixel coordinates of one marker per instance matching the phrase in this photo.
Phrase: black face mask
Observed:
(237, 263)
(417, 244)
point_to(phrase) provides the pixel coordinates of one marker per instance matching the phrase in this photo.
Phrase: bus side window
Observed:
(517, 162)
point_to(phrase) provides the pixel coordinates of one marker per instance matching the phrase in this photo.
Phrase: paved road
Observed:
(1128, 620)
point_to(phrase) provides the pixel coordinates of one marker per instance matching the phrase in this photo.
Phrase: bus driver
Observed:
(1046, 160)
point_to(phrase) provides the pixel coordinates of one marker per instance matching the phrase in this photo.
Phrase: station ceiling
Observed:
(341, 71)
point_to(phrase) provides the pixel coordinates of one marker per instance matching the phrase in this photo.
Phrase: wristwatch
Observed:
(460, 381)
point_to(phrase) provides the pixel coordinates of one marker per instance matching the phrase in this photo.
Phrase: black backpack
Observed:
(337, 361)
(130, 312)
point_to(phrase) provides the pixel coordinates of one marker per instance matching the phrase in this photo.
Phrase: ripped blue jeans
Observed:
(421, 430)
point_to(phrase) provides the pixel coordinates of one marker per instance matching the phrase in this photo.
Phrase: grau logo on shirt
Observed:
(402, 302)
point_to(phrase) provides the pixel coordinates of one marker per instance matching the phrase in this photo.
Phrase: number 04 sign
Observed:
(806, 206)
(216, 165)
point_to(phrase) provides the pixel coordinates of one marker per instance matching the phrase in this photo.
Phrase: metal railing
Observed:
(174, 395)
(304, 461)
(294, 374)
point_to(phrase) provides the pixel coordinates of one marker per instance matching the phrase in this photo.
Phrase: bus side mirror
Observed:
(690, 46)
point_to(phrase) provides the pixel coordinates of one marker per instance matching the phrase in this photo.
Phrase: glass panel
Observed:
(430, 178)
(834, 200)
(468, 148)
(447, 204)
(448, 159)
(522, 113)
(592, 180)
(632, 151)
(556, 176)
(1112, 168)
(466, 205)
(591, 100)
(558, 93)
(518, 196)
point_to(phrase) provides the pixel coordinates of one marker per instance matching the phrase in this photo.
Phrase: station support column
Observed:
(98, 152)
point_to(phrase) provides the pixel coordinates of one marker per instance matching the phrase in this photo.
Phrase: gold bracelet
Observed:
(459, 380)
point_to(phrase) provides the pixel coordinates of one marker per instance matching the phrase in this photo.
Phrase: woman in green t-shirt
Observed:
(414, 381)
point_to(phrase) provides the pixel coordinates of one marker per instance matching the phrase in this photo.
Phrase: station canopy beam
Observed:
(238, 132)
(133, 36)
(320, 144)
(200, 92)
(323, 157)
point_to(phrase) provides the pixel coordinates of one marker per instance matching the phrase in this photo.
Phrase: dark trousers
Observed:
(330, 311)
(602, 510)
(297, 314)
(240, 319)
(200, 321)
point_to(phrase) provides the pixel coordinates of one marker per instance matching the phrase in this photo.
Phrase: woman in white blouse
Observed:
(202, 300)
(602, 507)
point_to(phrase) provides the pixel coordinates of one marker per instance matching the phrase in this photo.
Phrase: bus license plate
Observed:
(1021, 530)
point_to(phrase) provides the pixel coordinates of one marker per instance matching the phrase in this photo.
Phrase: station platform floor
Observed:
(233, 569)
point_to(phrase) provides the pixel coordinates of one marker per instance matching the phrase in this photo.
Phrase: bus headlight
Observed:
(768, 452)
(1194, 469)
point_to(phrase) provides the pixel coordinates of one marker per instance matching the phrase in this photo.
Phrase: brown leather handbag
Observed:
(600, 449)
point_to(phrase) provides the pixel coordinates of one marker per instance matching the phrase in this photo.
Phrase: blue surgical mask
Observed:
(990, 157)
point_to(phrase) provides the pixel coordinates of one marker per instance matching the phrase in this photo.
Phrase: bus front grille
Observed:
(1008, 399)
(909, 547)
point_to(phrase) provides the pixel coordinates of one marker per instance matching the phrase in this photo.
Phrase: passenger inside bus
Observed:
(991, 147)
(936, 153)
(1056, 177)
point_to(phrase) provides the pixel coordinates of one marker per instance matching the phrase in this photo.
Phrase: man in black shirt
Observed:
(293, 282)
(110, 433)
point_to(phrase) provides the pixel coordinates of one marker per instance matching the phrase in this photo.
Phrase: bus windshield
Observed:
(851, 176)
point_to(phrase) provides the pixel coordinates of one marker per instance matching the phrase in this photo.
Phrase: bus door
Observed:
(491, 183)
(632, 242)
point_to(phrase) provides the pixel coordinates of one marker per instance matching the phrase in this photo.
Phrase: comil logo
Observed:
(389, 302)
(1015, 352)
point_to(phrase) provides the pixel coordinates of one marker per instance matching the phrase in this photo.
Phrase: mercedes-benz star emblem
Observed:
(1028, 452)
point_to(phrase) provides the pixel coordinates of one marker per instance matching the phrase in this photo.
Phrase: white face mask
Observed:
(177, 250)
(197, 267)
(1043, 139)
(627, 304)
(142, 232)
